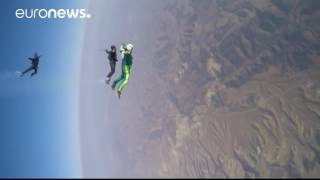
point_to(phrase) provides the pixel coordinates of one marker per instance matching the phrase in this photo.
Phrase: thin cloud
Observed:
(7, 75)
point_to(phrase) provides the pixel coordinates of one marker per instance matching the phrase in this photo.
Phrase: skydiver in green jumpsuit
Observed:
(126, 54)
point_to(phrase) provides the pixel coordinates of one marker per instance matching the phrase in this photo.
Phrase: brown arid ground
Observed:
(226, 88)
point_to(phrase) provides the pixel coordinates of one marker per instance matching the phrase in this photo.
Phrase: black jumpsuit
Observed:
(112, 56)
(34, 66)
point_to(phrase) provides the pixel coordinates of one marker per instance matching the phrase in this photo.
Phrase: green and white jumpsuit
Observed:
(125, 68)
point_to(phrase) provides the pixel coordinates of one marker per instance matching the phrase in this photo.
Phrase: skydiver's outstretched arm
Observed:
(30, 59)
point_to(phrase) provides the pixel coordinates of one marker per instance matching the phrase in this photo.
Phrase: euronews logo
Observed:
(52, 13)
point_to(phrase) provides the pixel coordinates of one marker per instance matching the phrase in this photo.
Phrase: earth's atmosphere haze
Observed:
(219, 88)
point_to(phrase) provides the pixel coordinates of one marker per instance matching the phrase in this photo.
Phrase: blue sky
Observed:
(38, 115)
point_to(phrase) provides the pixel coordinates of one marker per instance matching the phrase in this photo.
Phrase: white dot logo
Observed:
(88, 15)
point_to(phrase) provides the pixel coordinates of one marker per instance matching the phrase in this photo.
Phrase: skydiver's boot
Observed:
(113, 86)
(34, 72)
(108, 80)
(119, 94)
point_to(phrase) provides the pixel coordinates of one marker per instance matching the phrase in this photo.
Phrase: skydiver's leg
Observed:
(115, 82)
(35, 71)
(123, 82)
(112, 67)
(27, 70)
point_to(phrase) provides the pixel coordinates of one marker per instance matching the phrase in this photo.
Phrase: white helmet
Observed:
(129, 47)
(126, 48)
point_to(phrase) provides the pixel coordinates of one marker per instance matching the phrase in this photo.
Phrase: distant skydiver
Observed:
(34, 65)
(126, 54)
(112, 56)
